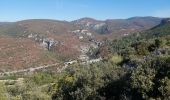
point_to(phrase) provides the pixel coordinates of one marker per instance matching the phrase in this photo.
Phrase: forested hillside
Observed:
(135, 67)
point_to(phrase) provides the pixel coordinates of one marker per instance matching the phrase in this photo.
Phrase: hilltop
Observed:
(109, 26)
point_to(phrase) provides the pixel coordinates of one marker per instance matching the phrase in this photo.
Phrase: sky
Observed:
(15, 10)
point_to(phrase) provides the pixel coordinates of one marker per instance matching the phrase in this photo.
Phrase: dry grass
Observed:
(20, 53)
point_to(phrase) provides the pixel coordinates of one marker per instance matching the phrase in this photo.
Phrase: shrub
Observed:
(3, 92)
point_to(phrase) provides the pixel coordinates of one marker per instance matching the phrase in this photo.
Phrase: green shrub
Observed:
(41, 78)
(3, 92)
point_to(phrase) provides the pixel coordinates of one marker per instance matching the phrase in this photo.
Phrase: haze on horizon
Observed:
(14, 10)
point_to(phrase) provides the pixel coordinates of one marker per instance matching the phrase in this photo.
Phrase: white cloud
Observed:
(162, 13)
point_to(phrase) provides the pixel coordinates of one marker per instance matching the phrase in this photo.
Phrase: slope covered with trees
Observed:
(136, 67)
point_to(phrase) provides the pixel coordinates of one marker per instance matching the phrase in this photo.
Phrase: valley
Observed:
(51, 60)
(36, 42)
(84, 50)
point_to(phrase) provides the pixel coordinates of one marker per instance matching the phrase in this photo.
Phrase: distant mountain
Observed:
(86, 20)
(91, 24)
(37, 26)
(165, 21)
(162, 29)
(118, 26)
(5, 23)
(115, 27)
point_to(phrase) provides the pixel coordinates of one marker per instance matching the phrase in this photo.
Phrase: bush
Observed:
(35, 95)
(89, 82)
(151, 79)
(3, 92)
(116, 59)
(41, 78)
(141, 48)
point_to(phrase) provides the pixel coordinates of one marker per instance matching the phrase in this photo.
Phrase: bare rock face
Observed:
(48, 43)
(45, 42)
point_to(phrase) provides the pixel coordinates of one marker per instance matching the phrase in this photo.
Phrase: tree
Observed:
(141, 48)
(151, 79)
(158, 43)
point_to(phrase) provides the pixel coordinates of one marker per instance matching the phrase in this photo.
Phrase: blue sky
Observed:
(14, 10)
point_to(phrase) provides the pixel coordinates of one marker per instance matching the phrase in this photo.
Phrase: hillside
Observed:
(111, 26)
(61, 40)
(118, 27)
(22, 53)
(133, 67)
(160, 30)
(36, 26)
